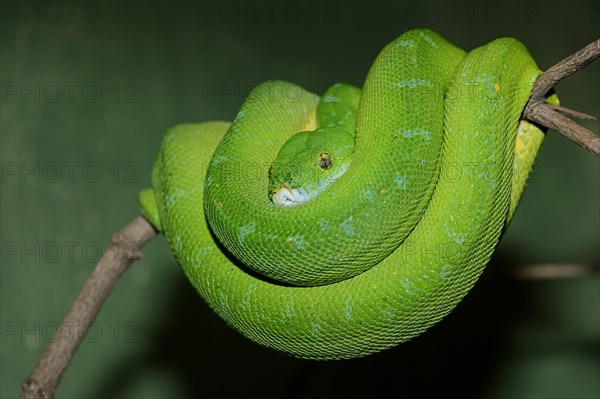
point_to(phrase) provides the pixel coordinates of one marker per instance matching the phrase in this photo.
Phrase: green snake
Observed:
(336, 226)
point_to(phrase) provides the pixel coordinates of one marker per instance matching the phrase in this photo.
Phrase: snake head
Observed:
(308, 163)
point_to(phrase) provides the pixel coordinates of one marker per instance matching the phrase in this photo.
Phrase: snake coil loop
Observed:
(435, 161)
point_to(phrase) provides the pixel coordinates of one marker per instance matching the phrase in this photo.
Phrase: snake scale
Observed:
(336, 226)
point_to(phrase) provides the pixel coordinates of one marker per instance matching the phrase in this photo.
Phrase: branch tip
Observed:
(553, 117)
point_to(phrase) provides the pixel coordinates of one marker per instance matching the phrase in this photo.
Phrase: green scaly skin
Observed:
(391, 246)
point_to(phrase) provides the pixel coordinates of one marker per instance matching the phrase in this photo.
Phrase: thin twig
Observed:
(123, 249)
(543, 271)
(542, 113)
(546, 116)
(572, 112)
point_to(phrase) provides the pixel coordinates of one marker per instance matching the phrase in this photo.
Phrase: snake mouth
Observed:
(286, 196)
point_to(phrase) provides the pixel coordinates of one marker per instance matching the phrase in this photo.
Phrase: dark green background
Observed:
(157, 64)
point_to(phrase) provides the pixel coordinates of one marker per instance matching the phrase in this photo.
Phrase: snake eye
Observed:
(324, 161)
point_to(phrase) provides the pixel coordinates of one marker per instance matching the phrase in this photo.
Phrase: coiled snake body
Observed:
(336, 227)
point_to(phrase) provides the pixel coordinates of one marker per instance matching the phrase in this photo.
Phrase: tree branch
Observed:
(122, 250)
(542, 113)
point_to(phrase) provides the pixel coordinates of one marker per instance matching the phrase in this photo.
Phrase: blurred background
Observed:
(87, 91)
